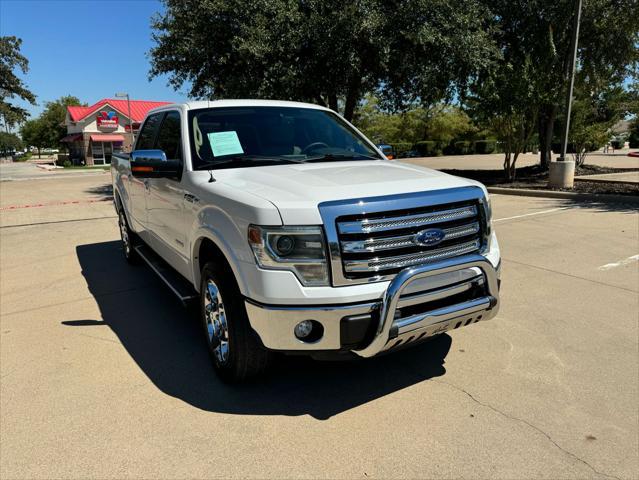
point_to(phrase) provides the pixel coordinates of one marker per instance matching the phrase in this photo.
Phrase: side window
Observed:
(170, 138)
(147, 135)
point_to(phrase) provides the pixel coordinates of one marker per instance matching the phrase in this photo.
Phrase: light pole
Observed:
(562, 172)
(128, 104)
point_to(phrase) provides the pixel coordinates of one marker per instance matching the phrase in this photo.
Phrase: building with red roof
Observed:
(96, 131)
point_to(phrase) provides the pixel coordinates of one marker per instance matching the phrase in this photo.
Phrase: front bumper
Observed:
(400, 317)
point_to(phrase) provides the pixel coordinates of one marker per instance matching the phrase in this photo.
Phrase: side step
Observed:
(176, 282)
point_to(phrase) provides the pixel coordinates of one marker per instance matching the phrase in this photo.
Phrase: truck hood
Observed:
(296, 190)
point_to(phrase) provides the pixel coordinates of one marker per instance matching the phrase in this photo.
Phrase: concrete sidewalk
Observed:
(495, 161)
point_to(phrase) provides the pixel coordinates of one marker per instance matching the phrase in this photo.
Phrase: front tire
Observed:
(235, 350)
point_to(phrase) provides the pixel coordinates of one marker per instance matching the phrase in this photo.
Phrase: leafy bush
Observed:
(484, 146)
(463, 147)
(67, 164)
(400, 148)
(426, 148)
(449, 149)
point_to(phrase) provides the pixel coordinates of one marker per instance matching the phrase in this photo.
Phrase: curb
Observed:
(588, 197)
(604, 180)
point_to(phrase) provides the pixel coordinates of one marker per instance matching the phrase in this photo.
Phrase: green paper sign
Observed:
(225, 143)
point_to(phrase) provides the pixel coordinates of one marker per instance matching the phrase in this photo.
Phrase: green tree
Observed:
(440, 122)
(9, 143)
(504, 101)
(329, 52)
(594, 113)
(541, 31)
(12, 87)
(448, 123)
(34, 134)
(53, 117)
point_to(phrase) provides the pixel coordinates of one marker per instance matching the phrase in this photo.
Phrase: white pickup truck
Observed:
(296, 234)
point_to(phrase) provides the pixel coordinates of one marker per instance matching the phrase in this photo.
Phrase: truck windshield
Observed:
(236, 137)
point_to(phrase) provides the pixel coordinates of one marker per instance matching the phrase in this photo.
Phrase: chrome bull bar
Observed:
(434, 321)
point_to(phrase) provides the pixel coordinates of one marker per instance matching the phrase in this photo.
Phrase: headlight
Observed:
(300, 250)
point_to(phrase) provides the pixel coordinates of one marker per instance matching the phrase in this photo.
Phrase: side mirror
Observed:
(154, 164)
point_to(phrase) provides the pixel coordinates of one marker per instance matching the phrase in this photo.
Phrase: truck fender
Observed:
(211, 234)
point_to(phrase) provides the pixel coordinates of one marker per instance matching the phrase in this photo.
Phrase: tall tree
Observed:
(541, 31)
(505, 101)
(324, 51)
(53, 117)
(12, 87)
(9, 143)
(34, 134)
(595, 111)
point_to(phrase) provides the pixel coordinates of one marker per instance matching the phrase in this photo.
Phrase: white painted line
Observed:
(625, 261)
(531, 214)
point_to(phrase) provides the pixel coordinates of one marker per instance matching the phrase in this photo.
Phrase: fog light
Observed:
(303, 329)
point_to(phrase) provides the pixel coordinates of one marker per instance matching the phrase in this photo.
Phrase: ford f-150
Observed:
(295, 233)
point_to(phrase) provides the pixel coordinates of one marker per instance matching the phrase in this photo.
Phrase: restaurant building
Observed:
(96, 131)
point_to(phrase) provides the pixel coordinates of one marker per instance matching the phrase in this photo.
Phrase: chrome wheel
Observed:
(124, 233)
(215, 318)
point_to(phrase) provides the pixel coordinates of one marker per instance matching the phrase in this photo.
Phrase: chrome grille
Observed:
(381, 243)
(367, 225)
(374, 245)
(370, 239)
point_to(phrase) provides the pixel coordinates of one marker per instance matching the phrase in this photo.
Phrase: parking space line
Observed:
(625, 261)
(531, 214)
(2, 227)
(550, 270)
(55, 204)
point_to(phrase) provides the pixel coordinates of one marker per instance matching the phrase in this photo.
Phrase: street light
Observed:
(128, 104)
(562, 172)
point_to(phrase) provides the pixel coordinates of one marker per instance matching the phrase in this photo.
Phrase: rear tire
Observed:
(128, 239)
(235, 350)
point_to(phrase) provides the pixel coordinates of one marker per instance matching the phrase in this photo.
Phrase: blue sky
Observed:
(87, 48)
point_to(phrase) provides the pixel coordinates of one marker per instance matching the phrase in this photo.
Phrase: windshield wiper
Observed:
(242, 159)
(336, 157)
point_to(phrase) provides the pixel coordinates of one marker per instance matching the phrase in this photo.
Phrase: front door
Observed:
(108, 151)
(165, 200)
(138, 187)
(97, 150)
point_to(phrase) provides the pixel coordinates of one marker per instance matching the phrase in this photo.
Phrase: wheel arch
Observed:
(207, 248)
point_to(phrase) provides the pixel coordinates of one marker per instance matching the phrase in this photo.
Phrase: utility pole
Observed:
(128, 103)
(562, 172)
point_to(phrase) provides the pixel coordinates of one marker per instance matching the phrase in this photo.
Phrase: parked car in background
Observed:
(387, 150)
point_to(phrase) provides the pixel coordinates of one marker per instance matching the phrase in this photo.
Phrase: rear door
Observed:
(165, 197)
(138, 186)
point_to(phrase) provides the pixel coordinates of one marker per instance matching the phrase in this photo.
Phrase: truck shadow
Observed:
(164, 339)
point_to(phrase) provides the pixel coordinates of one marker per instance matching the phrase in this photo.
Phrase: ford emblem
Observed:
(430, 237)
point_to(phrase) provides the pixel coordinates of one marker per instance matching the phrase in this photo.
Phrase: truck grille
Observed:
(375, 244)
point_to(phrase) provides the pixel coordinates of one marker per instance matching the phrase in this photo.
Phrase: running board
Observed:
(176, 282)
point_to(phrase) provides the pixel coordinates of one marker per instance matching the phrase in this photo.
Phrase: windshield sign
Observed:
(250, 136)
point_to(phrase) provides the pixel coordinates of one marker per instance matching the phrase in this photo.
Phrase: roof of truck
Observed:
(243, 103)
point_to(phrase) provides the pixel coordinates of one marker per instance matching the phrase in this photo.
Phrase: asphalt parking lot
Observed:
(104, 375)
